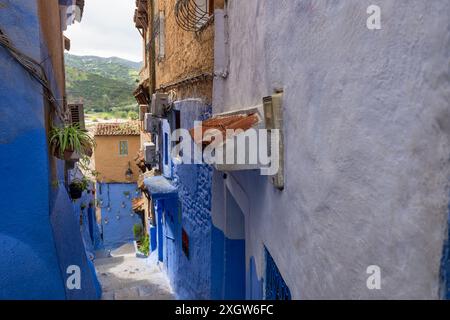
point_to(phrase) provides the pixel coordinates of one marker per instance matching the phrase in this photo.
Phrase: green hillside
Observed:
(104, 84)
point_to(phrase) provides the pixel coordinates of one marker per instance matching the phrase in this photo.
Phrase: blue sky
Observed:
(107, 30)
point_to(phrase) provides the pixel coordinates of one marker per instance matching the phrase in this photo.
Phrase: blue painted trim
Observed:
(153, 240)
(255, 285)
(160, 237)
(445, 262)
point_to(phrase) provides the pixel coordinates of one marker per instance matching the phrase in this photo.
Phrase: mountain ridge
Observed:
(103, 84)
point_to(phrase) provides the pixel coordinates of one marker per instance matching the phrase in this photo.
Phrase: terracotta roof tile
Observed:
(118, 129)
(223, 123)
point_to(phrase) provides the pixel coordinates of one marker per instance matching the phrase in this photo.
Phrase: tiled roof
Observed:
(223, 123)
(118, 129)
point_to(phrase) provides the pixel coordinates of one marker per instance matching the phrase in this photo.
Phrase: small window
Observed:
(123, 148)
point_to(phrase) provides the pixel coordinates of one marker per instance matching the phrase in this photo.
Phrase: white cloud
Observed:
(107, 30)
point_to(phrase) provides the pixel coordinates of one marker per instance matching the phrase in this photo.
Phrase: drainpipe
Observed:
(221, 54)
(221, 57)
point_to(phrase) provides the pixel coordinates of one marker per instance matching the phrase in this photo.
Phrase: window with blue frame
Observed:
(276, 288)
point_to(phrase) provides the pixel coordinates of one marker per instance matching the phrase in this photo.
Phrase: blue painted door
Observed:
(234, 247)
(171, 228)
(159, 229)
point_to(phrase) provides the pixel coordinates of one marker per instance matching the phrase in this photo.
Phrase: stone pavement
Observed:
(123, 276)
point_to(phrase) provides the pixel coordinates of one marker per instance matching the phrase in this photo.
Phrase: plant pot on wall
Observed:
(70, 139)
(75, 190)
(66, 155)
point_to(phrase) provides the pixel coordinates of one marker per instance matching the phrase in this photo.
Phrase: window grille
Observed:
(276, 288)
(192, 15)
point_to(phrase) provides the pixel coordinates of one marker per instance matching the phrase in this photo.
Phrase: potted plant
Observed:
(70, 139)
(141, 241)
(144, 248)
(77, 187)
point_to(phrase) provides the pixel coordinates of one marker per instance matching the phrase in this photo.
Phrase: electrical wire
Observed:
(35, 69)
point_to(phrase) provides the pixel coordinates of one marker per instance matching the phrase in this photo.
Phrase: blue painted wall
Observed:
(39, 235)
(229, 253)
(70, 247)
(118, 229)
(84, 209)
(228, 280)
(190, 209)
(192, 276)
(254, 284)
(445, 263)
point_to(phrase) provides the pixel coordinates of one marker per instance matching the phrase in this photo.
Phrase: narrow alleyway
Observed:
(123, 276)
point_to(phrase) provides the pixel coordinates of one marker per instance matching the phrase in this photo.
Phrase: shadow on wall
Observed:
(70, 248)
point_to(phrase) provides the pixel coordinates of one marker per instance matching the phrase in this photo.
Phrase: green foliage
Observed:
(85, 165)
(138, 231)
(71, 138)
(132, 115)
(81, 184)
(145, 245)
(102, 83)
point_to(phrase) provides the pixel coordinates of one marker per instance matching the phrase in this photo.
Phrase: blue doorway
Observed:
(234, 251)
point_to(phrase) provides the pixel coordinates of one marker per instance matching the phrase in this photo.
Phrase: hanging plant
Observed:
(69, 139)
(75, 190)
(77, 187)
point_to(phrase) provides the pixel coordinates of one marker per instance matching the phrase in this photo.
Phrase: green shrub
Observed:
(145, 245)
(138, 232)
(132, 115)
